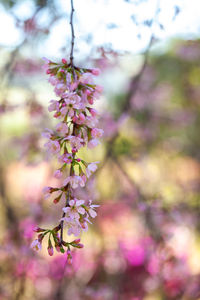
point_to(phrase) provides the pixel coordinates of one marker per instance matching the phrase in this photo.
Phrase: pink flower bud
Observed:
(76, 241)
(56, 115)
(58, 248)
(95, 72)
(38, 229)
(48, 71)
(40, 237)
(64, 61)
(93, 112)
(69, 260)
(82, 117)
(96, 132)
(69, 257)
(78, 160)
(74, 150)
(91, 101)
(74, 119)
(83, 225)
(56, 200)
(88, 92)
(79, 246)
(50, 251)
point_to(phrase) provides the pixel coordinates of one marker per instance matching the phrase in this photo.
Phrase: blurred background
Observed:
(145, 242)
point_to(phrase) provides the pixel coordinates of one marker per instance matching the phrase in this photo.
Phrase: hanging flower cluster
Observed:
(76, 128)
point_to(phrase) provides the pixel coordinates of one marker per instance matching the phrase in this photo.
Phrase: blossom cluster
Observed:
(76, 128)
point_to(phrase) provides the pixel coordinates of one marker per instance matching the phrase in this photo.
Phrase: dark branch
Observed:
(72, 33)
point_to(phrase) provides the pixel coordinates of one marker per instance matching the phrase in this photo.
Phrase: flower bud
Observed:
(40, 237)
(81, 117)
(76, 241)
(64, 61)
(69, 257)
(93, 112)
(79, 246)
(57, 248)
(50, 247)
(38, 229)
(56, 200)
(50, 251)
(95, 72)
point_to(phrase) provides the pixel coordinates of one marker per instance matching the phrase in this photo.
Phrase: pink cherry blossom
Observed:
(91, 168)
(93, 143)
(36, 245)
(86, 78)
(48, 133)
(59, 89)
(96, 132)
(53, 106)
(93, 112)
(91, 121)
(62, 128)
(66, 158)
(77, 128)
(74, 209)
(47, 192)
(95, 71)
(75, 142)
(73, 225)
(92, 212)
(53, 147)
(58, 174)
(74, 181)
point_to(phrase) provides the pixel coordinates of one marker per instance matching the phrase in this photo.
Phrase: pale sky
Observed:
(92, 17)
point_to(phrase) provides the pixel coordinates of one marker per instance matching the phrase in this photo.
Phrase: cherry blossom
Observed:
(36, 245)
(74, 209)
(77, 128)
(91, 168)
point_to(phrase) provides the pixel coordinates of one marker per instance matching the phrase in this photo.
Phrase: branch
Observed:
(72, 33)
(134, 86)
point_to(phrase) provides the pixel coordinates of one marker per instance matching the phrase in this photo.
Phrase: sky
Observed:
(109, 22)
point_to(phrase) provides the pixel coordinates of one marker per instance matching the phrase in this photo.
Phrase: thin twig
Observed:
(71, 168)
(72, 32)
(133, 89)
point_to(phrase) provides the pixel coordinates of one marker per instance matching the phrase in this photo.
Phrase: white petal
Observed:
(88, 173)
(79, 202)
(92, 213)
(66, 181)
(71, 202)
(81, 210)
(66, 209)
